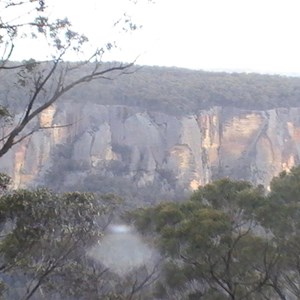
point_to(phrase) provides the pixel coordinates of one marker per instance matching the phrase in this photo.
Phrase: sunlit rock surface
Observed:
(192, 149)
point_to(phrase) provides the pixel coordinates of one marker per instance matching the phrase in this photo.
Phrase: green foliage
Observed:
(4, 112)
(44, 233)
(222, 193)
(215, 245)
(235, 197)
(45, 242)
(281, 212)
(180, 91)
(285, 189)
(5, 181)
(230, 240)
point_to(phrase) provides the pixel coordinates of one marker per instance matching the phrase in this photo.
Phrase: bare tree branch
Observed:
(60, 90)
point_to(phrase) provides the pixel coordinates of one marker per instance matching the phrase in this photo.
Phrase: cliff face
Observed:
(148, 146)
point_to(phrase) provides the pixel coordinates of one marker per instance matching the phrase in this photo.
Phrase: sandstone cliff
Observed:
(147, 147)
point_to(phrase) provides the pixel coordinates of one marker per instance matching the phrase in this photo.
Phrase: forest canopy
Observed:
(178, 91)
(229, 240)
(175, 90)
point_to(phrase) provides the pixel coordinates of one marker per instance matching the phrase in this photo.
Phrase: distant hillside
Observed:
(180, 91)
(135, 150)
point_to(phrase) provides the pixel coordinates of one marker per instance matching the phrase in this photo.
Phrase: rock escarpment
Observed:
(147, 146)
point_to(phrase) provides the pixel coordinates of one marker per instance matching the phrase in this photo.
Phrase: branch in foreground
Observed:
(58, 93)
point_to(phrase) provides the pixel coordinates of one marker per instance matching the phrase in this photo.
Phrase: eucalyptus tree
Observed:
(280, 216)
(213, 245)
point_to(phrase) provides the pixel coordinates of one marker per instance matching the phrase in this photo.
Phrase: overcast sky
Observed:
(244, 35)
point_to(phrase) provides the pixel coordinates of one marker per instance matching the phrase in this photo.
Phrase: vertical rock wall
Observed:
(250, 145)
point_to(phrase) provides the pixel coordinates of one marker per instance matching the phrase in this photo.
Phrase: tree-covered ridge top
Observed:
(176, 90)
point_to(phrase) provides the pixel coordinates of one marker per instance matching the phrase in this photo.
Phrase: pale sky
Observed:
(244, 35)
